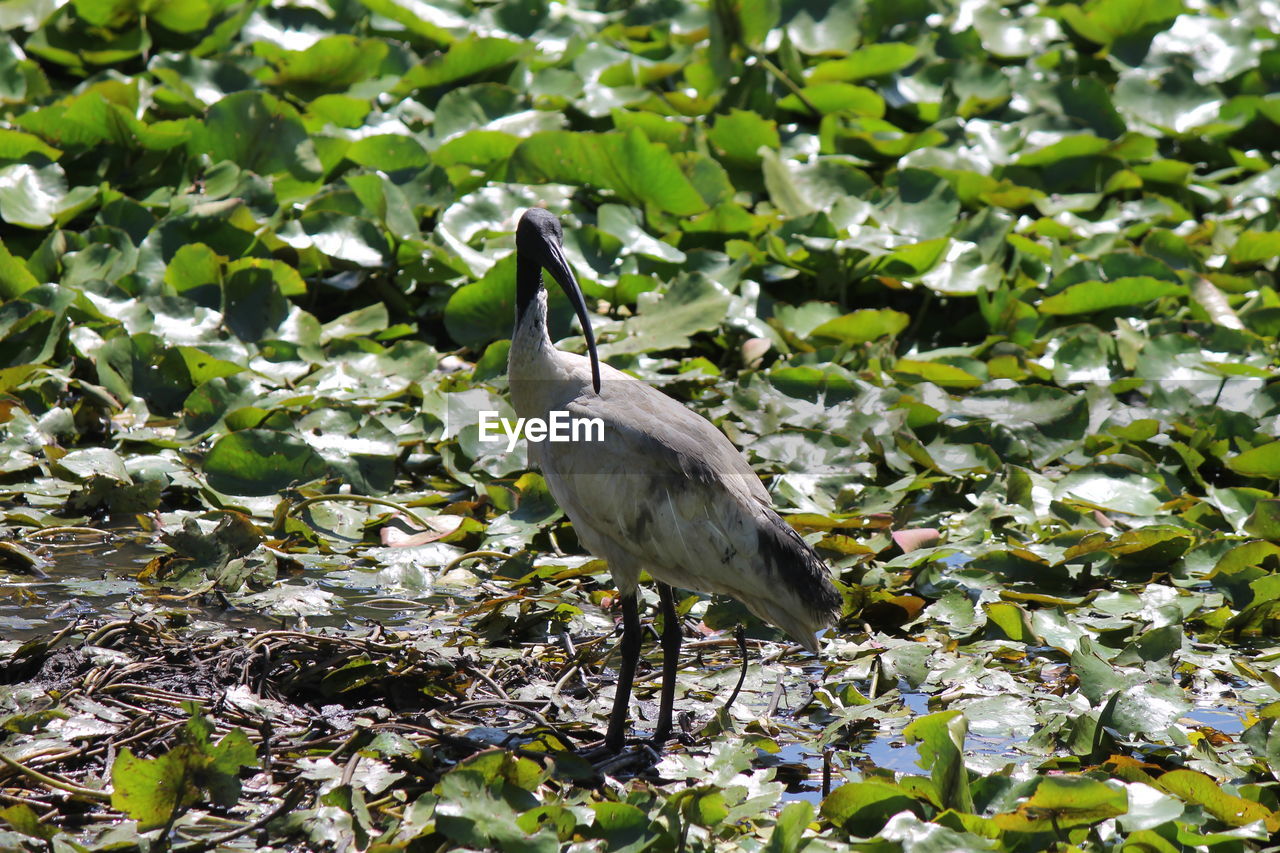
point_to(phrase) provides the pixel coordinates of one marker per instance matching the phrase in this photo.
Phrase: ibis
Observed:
(663, 490)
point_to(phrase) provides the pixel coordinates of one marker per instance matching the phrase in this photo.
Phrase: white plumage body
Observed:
(665, 491)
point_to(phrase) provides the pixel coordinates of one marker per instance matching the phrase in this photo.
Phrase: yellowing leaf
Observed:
(1200, 789)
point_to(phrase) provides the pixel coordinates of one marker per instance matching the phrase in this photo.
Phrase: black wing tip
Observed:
(798, 567)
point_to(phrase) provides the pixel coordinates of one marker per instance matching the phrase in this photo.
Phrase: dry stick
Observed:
(34, 804)
(567, 642)
(717, 642)
(154, 692)
(342, 746)
(787, 648)
(173, 714)
(61, 635)
(349, 772)
(574, 662)
(774, 699)
(359, 499)
(398, 602)
(266, 731)
(573, 667)
(50, 756)
(266, 671)
(151, 732)
(502, 694)
(286, 634)
(499, 703)
(56, 781)
(110, 628)
(96, 678)
(555, 691)
(325, 740)
(188, 596)
(472, 555)
(58, 531)
(582, 648)
(290, 801)
(443, 737)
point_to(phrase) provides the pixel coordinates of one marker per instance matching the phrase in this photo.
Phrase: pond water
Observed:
(88, 575)
(83, 576)
(92, 576)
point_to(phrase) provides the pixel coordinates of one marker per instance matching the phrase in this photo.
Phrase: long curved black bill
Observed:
(558, 266)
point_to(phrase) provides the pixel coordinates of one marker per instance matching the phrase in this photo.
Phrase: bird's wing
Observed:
(666, 491)
(650, 435)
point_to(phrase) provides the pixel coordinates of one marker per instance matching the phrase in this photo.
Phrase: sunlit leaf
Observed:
(863, 808)
(637, 170)
(862, 326)
(464, 58)
(260, 133)
(1262, 461)
(1104, 22)
(1060, 802)
(333, 63)
(1255, 246)
(873, 60)
(1090, 296)
(941, 737)
(261, 462)
(1197, 788)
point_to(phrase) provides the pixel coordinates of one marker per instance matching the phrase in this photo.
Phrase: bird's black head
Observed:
(539, 240)
(538, 228)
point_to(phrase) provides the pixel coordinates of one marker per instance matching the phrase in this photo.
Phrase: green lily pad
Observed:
(261, 462)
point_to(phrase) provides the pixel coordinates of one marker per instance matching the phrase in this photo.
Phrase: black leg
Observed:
(670, 662)
(614, 738)
(742, 676)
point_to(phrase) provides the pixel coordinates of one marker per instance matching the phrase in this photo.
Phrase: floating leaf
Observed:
(466, 57)
(638, 171)
(333, 63)
(35, 197)
(936, 372)
(1062, 802)
(863, 326)
(262, 134)
(1199, 789)
(15, 278)
(863, 808)
(941, 737)
(873, 60)
(1090, 296)
(1103, 22)
(261, 462)
(1262, 461)
(741, 134)
(1253, 247)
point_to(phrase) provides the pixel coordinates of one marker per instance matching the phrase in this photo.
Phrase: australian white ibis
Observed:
(664, 491)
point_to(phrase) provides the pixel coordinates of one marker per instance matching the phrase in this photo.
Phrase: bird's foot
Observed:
(632, 758)
(628, 757)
